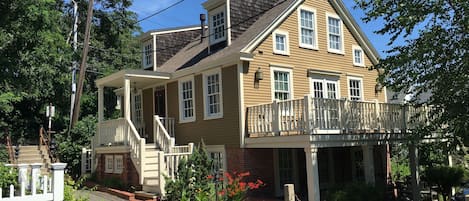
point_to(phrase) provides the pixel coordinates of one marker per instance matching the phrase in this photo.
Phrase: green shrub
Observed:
(8, 176)
(70, 188)
(445, 178)
(356, 191)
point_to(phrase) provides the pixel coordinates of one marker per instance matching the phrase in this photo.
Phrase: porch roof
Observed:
(139, 78)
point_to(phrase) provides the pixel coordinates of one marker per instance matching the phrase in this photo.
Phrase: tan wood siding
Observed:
(147, 96)
(216, 131)
(302, 59)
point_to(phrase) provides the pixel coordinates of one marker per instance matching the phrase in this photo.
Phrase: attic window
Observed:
(217, 25)
(147, 55)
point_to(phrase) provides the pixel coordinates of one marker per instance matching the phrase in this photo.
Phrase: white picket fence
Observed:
(37, 187)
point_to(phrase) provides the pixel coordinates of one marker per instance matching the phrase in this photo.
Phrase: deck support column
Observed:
(127, 98)
(312, 173)
(414, 171)
(100, 104)
(369, 163)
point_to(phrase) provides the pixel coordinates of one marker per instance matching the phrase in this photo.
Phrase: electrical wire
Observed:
(160, 11)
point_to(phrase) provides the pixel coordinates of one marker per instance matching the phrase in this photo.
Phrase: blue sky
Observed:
(187, 13)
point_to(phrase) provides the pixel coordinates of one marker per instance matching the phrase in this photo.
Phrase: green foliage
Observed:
(8, 176)
(4, 158)
(191, 177)
(71, 144)
(114, 182)
(355, 192)
(434, 57)
(70, 188)
(445, 178)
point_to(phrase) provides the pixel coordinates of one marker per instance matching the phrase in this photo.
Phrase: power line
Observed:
(160, 11)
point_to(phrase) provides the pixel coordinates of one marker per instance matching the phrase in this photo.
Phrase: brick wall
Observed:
(128, 177)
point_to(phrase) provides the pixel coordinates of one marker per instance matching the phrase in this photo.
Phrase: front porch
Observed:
(139, 143)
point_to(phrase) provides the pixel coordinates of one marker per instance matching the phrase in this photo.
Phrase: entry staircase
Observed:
(153, 161)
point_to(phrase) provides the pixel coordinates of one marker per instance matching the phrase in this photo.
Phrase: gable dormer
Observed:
(218, 23)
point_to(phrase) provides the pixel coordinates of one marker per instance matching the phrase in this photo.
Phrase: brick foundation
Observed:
(128, 177)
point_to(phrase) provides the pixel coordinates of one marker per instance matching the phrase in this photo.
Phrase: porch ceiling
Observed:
(138, 78)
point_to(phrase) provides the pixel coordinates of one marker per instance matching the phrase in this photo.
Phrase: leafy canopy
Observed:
(434, 57)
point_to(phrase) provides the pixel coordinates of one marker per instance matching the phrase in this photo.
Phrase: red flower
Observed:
(209, 176)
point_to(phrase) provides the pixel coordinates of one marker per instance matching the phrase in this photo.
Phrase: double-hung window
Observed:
(217, 25)
(282, 89)
(280, 41)
(325, 88)
(335, 36)
(147, 55)
(186, 100)
(358, 57)
(307, 24)
(355, 88)
(114, 164)
(213, 94)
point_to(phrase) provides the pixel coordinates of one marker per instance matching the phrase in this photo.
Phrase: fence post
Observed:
(275, 118)
(191, 147)
(22, 171)
(307, 114)
(163, 171)
(289, 191)
(58, 180)
(34, 176)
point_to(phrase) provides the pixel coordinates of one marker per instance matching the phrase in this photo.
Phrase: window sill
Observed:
(282, 53)
(359, 65)
(338, 52)
(309, 47)
(218, 116)
(186, 121)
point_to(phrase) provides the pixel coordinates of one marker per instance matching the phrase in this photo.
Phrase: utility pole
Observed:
(74, 63)
(81, 79)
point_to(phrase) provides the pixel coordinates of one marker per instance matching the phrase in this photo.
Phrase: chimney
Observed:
(202, 27)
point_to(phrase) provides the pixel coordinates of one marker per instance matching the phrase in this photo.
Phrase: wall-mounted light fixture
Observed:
(378, 87)
(258, 75)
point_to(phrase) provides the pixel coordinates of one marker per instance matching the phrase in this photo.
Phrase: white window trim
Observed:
(287, 42)
(116, 169)
(341, 51)
(219, 149)
(204, 75)
(324, 81)
(144, 60)
(211, 32)
(106, 169)
(272, 81)
(362, 58)
(315, 39)
(183, 119)
(361, 87)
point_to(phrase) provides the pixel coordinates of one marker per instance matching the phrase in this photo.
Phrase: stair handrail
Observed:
(11, 153)
(137, 148)
(162, 137)
(45, 141)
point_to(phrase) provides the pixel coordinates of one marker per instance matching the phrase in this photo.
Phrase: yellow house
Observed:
(282, 89)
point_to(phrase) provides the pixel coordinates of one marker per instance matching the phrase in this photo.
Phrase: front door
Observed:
(160, 101)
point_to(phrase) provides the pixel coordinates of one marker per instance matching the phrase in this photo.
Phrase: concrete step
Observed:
(142, 195)
(151, 188)
(151, 166)
(152, 181)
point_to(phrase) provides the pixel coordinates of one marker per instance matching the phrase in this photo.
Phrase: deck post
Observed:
(275, 118)
(368, 160)
(58, 180)
(312, 172)
(307, 114)
(22, 173)
(414, 171)
(35, 167)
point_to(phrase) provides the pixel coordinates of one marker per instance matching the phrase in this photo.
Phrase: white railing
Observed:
(137, 148)
(317, 115)
(35, 187)
(161, 136)
(168, 123)
(111, 132)
(172, 159)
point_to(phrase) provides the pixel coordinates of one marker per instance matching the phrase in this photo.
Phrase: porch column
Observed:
(127, 98)
(312, 173)
(414, 171)
(369, 163)
(100, 103)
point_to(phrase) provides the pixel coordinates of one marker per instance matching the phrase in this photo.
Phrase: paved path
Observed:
(97, 196)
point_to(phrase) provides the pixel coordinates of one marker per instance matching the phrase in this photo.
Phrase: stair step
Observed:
(151, 188)
(142, 195)
(151, 167)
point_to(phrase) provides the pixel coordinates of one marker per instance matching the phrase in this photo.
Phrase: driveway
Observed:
(97, 196)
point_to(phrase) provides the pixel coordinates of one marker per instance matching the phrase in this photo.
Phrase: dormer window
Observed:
(217, 25)
(280, 42)
(147, 55)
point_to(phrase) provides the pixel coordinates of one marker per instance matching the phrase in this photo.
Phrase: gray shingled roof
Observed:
(196, 53)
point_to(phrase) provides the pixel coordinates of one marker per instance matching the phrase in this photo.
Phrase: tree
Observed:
(434, 57)
(444, 177)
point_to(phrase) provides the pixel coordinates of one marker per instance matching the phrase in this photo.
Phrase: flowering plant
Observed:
(236, 187)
